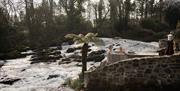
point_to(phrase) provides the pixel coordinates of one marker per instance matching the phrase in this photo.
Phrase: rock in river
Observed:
(8, 80)
(2, 62)
(96, 56)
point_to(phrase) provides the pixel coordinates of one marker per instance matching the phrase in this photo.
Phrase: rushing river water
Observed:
(35, 77)
(49, 77)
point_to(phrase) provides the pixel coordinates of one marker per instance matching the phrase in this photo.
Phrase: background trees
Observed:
(12, 40)
(172, 14)
(44, 23)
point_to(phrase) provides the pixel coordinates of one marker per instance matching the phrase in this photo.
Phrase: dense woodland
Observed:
(30, 24)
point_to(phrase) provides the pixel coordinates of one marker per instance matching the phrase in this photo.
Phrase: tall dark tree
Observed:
(151, 7)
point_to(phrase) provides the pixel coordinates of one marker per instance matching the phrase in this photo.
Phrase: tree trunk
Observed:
(160, 10)
(146, 9)
(127, 14)
(84, 59)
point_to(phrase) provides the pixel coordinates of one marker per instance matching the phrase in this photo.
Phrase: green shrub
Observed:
(147, 23)
(154, 25)
(159, 35)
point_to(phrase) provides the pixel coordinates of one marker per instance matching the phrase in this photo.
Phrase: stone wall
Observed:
(116, 57)
(138, 74)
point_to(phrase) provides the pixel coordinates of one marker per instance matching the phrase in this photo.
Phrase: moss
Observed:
(75, 84)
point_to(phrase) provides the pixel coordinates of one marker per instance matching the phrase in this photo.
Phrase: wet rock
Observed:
(70, 50)
(23, 70)
(59, 47)
(79, 64)
(78, 48)
(96, 56)
(131, 52)
(2, 62)
(75, 58)
(70, 42)
(52, 76)
(100, 52)
(9, 81)
(57, 52)
(118, 44)
(46, 55)
(44, 58)
(64, 61)
(89, 50)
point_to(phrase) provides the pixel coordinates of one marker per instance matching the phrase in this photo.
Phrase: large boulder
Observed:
(96, 56)
(75, 57)
(45, 58)
(52, 76)
(99, 52)
(64, 61)
(70, 50)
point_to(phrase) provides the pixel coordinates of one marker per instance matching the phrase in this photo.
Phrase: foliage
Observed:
(172, 14)
(153, 24)
(47, 23)
(12, 40)
(90, 37)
